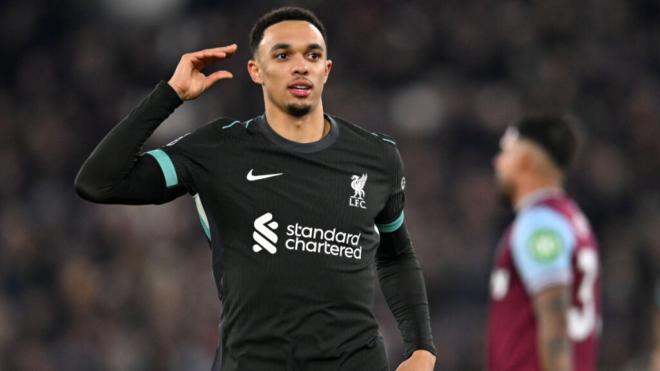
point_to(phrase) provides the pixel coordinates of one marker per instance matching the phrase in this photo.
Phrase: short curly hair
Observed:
(288, 13)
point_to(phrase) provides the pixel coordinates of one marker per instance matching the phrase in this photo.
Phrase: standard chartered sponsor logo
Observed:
(264, 234)
(323, 241)
(306, 239)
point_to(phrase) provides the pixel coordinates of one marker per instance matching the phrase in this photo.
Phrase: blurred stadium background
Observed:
(88, 287)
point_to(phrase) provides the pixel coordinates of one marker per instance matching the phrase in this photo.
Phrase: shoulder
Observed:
(543, 231)
(383, 146)
(360, 135)
(227, 126)
(213, 131)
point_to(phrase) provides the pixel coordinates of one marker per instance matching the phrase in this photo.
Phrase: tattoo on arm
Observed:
(551, 307)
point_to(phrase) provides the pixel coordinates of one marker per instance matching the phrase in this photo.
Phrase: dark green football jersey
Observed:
(298, 233)
(293, 233)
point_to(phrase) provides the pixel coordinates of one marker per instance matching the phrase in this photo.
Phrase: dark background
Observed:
(89, 287)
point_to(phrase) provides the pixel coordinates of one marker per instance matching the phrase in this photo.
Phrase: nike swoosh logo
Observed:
(252, 178)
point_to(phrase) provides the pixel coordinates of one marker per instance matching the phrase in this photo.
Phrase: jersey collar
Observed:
(538, 196)
(325, 142)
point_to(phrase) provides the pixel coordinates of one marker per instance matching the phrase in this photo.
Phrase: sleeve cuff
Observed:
(167, 93)
(548, 279)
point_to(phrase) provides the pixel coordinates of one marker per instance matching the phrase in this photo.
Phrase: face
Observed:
(292, 67)
(508, 162)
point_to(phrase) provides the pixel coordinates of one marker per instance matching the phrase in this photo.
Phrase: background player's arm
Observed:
(116, 172)
(542, 246)
(554, 346)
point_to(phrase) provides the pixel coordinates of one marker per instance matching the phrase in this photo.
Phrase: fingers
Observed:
(206, 56)
(217, 76)
(188, 79)
(229, 49)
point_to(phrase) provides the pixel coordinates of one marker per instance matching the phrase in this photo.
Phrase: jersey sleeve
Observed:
(542, 245)
(399, 272)
(184, 161)
(116, 171)
(391, 218)
(176, 162)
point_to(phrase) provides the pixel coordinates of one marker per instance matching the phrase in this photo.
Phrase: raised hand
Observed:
(189, 81)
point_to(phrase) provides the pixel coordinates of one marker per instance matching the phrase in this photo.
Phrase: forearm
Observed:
(554, 346)
(115, 172)
(403, 286)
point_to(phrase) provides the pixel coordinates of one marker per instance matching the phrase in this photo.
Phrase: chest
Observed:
(341, 188)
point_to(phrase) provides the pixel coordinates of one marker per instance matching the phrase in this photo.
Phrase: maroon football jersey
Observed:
(549, 227)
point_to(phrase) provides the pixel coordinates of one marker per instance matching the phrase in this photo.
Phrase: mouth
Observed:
(300, 88)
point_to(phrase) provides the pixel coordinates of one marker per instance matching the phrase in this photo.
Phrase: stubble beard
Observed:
(298, 110)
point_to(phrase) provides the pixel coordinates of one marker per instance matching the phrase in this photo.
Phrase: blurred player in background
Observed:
(545, 301)
(289, 201)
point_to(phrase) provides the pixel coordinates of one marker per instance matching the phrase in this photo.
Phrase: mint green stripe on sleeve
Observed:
(391, 226)
(202, 216)
(166, 166)
(205, 226)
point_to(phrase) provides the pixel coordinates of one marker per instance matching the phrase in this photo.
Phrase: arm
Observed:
(115, 172)
(542, 246)
(400, 275)
(555, 350)
(403, 286)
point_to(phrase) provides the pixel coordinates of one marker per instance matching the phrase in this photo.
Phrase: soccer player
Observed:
(301, 209)
(545, 302)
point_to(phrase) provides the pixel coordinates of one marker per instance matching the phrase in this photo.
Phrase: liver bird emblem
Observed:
(357, 183)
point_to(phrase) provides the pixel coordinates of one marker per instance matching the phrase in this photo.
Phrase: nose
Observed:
(299, 65)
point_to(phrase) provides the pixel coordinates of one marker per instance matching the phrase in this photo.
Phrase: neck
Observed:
(306, 129)
(528, 185)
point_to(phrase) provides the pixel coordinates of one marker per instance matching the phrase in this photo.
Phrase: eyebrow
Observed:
(313, 46)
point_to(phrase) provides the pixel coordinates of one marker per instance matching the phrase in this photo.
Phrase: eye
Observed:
(314, 56)
(281, 56)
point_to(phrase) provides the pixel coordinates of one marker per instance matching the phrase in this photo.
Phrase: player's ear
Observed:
(255, 71)
(527, 159)
(328, 68)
